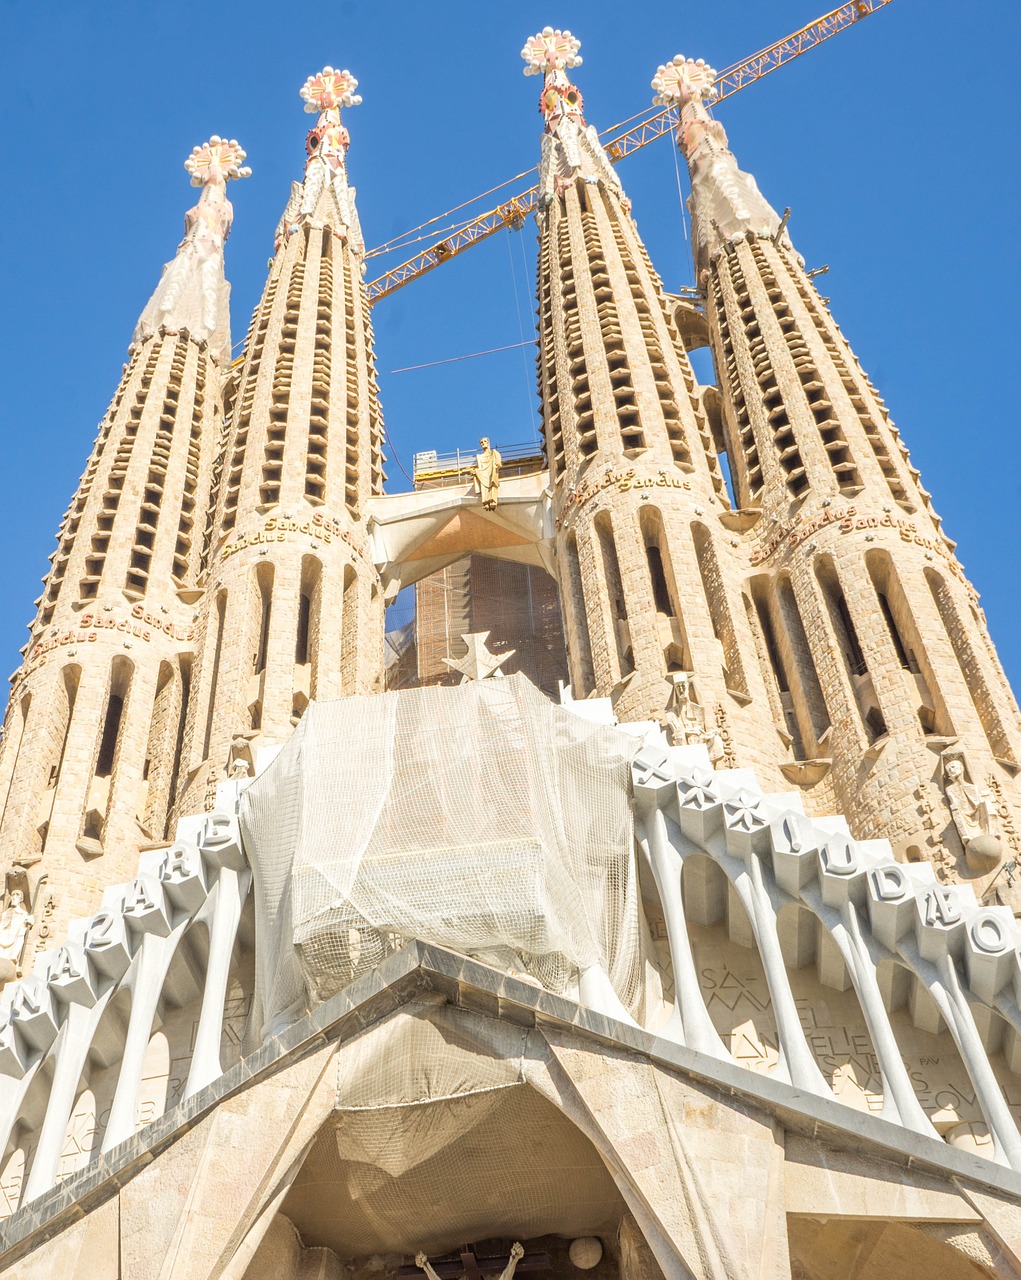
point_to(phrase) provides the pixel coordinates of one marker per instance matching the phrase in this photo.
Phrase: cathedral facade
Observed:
(707, 965)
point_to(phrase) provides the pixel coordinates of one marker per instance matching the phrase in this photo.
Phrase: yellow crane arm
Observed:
(513, 213)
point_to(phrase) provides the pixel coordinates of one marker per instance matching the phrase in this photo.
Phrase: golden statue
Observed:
(486, 474)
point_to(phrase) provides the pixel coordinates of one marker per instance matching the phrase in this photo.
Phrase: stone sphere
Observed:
(586, 1252)
(983, 853)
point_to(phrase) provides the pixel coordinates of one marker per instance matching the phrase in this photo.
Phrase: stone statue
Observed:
(486, 474)
(239, 762)
(14, 925)
(684, 720)
(516, 1254)
(973, 810)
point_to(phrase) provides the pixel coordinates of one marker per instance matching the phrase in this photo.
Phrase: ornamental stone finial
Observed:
(326, 146)
(551, 54)
(683, 80)
(217, 161)
(192, 295)
(329, 90)
(550, 51)
(726, 203)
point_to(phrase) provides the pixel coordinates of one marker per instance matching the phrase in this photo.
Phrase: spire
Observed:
(726, 202)
(570, 147)
(193, 294)
(325, 196)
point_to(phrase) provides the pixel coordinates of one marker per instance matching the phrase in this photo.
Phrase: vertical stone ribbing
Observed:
(293, 607)
(89, 758)
(113, 635)
(645, 564)
(879, 653)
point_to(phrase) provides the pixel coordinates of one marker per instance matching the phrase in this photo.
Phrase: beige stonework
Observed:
(87, 767)
(898, 673)
(648, 578)
(293, 607)
(816, 1072)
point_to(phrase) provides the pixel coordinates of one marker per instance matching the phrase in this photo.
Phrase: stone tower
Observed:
(91, 742)
(293, 609)
(648, 579)
(870, 631)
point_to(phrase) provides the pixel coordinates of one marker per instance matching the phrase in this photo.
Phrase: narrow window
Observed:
(221, 611)
(581, 648)
(181, 722)
(660, 590)
(802, 661)
(850, 649)
(891, 625)
(907, 644)
(109, 739)
(111, 729)
(301, 635)
(349, 632)
(615, 591)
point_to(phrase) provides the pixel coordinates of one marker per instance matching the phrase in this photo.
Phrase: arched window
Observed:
(615, 592)
(581, 647)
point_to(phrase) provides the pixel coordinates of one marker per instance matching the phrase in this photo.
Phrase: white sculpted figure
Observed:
(14, 925)
(239, 762)
(486, 474)
(973, 810)
(684, 720)
(516, 1254)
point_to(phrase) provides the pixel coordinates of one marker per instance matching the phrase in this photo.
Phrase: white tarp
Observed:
(482, 817)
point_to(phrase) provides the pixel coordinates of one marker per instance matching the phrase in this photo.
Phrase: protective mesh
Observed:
(436, 1138)
(482, 818)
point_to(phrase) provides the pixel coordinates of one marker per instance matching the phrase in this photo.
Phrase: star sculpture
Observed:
(550, 51)
(478, 663)
(684, 80)
(329, 90)
(216, 161)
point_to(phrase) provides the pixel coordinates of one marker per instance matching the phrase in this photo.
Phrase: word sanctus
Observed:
(140, 626)
(791, 533)
(278, 529)
(622, 481)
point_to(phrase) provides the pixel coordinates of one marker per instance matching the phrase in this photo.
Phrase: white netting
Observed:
(438, 1137)
(482, 818)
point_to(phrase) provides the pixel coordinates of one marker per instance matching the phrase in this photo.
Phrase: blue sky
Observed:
(893, 145)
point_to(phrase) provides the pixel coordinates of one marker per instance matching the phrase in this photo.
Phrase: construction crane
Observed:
(512, 214)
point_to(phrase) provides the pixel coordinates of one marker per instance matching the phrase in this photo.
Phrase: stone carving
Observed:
(478, 663)
(192, 293)
(684, 720)
(551, 54)
(239, 762)
(327, 144)
(14, 925)
(586, 1252)
(486, 474)
(551, 51)
(571, 149)
(239, 769)
(329, 90)
(727, 202)
(517, 1252)
(975, 816)
(682, 80)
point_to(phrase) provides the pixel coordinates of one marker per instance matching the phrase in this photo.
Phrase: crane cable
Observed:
(402, 242)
